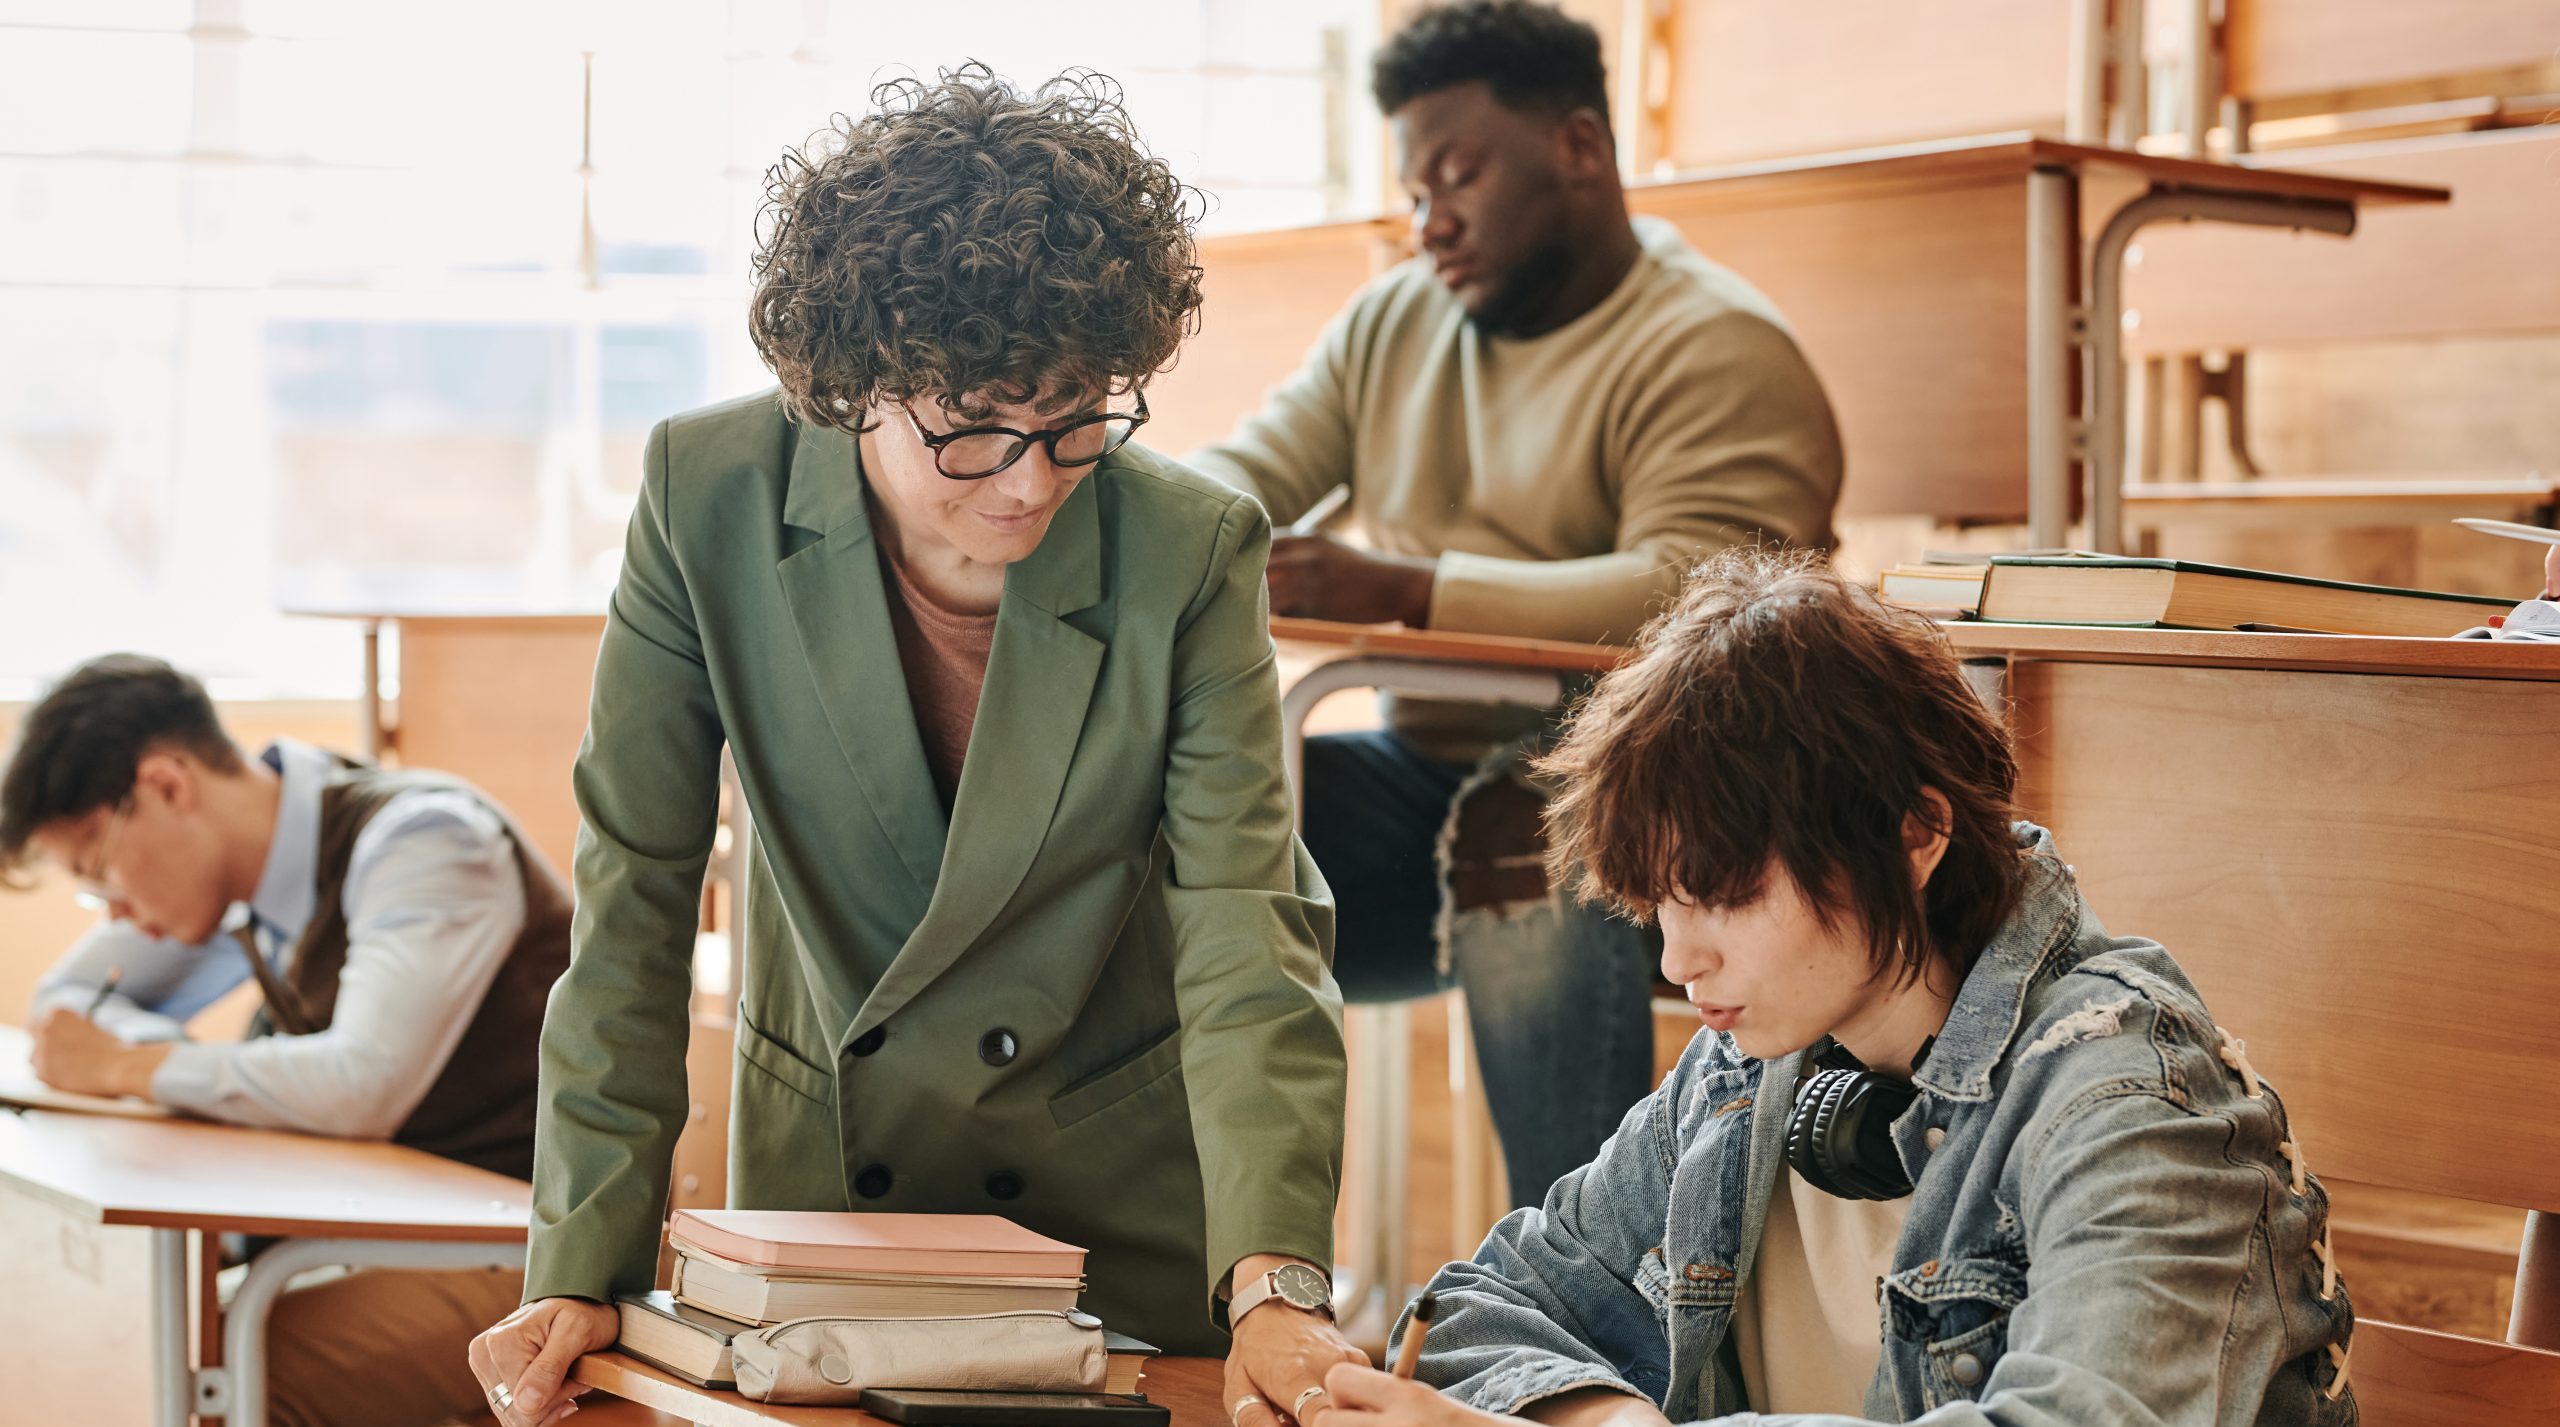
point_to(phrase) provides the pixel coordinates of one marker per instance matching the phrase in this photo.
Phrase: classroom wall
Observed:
(36, 925)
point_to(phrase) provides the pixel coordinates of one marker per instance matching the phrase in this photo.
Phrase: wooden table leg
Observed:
(208, 1288)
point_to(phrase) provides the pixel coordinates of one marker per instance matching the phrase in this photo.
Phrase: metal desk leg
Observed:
(2535, 1319)
(237, 1391)
(172, 1367)
(2105, 314)
(2053, 339)
(370, 738)
(1382, 1066)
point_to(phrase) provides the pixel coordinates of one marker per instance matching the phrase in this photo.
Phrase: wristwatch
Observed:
(1295, 1284)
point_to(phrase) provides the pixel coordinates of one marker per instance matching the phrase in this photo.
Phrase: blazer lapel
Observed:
(1031, 714)
(842, 615)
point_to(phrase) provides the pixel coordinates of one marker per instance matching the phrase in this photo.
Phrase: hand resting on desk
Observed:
(530, 1352)
(1319, 577)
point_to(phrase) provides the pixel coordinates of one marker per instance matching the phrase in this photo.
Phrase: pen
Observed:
(1411, 1353)
(1327, 506)
(2512, 530)
(105, 989)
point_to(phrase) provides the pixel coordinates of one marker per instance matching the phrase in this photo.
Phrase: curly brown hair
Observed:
(1779, 715)
(975, 244)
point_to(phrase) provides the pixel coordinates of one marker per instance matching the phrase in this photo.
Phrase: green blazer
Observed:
(1097, 1000)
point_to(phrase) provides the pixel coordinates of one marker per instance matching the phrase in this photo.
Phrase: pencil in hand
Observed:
(1410, 1354)
(1326, 508)
(115, 978)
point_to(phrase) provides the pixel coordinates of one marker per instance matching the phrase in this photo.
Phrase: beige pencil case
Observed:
(822, 1362)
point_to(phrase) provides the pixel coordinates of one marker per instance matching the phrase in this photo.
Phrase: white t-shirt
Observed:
(1808, 1327)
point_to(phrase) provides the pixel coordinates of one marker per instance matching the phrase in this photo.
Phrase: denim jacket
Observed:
(2110, 1223)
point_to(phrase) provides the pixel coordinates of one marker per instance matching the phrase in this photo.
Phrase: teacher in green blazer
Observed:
(1027, 928)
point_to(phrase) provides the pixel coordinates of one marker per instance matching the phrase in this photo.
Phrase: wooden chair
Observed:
(2477, 266)
(1742, 84)
(2286, 57)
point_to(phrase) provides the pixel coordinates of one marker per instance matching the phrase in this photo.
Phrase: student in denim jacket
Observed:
(2088, 1208)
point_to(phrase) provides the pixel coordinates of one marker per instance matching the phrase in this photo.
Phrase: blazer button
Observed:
(998, 1047)
(1004, 1184)
(870, 1041)
(873, 1181)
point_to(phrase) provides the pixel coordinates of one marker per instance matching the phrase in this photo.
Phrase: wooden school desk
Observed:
(1962, 300)
(95, 1218)
(1190, 1388)
(2349, 845)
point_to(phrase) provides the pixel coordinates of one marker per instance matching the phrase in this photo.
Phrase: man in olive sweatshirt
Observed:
(1545, 418)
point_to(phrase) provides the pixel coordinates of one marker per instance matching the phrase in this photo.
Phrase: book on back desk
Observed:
(2181, 594)
(1955, 588)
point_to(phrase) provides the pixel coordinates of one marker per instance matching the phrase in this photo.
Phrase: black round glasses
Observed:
(974, 453)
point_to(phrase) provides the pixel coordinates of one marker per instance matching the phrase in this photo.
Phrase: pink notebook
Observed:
(949, 1245)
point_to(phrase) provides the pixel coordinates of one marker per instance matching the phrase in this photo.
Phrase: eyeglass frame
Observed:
(91, 883)
(1047, 436)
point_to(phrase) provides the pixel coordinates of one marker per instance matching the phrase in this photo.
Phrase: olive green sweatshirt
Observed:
(1563, 482)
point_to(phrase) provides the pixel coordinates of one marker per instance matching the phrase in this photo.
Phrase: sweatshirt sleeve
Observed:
(1262, 1049)
(648, 783)
(1299, 444)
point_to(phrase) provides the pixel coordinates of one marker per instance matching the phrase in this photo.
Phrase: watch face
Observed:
(1302, 1287)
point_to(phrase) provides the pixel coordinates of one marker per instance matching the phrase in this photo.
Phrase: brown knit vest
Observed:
(480, 1109)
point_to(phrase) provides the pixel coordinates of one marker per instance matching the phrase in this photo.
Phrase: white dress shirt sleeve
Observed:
(164, 983)
(434, 901)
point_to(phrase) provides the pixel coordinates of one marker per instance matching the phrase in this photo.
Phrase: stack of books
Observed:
(2077, 588)
(738, 1270)
(2183, 594)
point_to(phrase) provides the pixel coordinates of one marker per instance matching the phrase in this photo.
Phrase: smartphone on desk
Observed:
(934, 1407)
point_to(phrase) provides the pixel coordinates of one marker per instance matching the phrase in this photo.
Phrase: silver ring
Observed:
(504, 1396)
(1236, 1413)
(1298, 1409)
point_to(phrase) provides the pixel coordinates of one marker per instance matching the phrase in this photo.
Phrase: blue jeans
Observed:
(1559, 1002)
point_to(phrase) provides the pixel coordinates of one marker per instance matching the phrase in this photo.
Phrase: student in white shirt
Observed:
(404, 938)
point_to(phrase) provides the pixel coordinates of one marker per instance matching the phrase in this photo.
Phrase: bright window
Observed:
(308, 304)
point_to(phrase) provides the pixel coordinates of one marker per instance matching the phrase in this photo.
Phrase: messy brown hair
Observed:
(976, 244)
(1780, 716)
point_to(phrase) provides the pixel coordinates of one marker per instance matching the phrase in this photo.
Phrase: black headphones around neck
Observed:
(1840, 1133)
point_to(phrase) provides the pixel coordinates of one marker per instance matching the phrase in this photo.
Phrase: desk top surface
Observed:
(1328, 640)
(1988, 157)
(186, 1174)
(2238, 649)
(2334, 653)
(2458, 658)
(1933, 163)
(1188, 1387)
